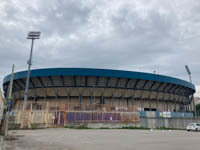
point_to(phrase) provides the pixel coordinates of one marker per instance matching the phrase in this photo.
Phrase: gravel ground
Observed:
(101, 139)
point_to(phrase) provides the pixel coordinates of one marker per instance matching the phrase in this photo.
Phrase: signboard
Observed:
(166, 114)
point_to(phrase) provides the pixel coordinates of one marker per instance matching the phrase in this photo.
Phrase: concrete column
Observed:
(183, 104)
(102, 102)
(150, 105)
(93, 95)
(132, 100)
(174, 103)
(68, 101)
(163, 105)
(68, 98)
(112, 99)
(80, 98)
(163, 101)
(122, 100)
(167, 101)
(141, 100)
(190, 105)
(180, 104)
(157, 100)
(90, 99)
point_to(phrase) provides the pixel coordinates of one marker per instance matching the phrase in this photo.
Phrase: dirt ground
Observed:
(101, 139)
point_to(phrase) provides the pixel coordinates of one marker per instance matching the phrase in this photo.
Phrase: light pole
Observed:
(31, 35)
(189, 73)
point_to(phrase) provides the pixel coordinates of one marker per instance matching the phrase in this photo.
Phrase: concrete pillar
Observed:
(174, 103)
(150, 105)
(80, 98)
(112, 99)
(122, 98)
(167, 105)
(132, 100)
(141, 100)
(91, 99)
(190, 104)
(157, 100)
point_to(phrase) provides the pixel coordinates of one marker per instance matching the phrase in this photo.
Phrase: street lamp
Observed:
(31, 35)
(189, 73)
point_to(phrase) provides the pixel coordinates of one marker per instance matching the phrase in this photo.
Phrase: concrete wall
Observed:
(172, 123)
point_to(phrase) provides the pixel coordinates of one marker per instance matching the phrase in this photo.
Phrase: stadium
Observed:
(74, 95)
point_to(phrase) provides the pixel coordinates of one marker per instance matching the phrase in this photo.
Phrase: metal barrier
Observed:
(49, 118)
(158, 114)
(58, 114)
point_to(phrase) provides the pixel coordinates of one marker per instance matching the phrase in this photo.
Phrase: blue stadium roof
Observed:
(99, 72)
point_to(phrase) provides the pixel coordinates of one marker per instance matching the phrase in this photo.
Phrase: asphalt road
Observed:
(102, 139)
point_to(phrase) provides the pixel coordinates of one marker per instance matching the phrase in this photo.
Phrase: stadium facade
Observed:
(100, 86)
(84, 89)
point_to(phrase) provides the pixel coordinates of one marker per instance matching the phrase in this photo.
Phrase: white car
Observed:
(193, 127)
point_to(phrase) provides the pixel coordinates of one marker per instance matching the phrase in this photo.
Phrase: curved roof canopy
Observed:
(99, 72)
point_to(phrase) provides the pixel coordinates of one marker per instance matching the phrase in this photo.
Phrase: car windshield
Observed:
(190, 124)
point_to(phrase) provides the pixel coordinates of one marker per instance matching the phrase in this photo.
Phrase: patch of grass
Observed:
(85, 127)
(77, 127)
(162, 128)
(135, 128)
(106, 128)
(125, 127)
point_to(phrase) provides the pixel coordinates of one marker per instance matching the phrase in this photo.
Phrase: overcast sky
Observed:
(136, 35)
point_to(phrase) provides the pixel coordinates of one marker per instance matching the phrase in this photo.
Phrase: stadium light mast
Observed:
(189, 73)
(33, 35)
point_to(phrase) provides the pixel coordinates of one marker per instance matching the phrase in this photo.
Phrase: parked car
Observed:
(193, 127)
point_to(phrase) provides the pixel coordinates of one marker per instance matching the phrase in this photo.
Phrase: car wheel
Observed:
(188, 130)
(196, 129)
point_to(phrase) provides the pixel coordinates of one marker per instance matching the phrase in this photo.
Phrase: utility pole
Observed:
(9, 100)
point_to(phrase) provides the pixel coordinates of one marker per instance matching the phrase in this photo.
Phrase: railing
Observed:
(61, 118)
(59, 114)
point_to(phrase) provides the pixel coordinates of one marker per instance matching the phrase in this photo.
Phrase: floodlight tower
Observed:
(33, 35)
(189, 73)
